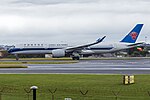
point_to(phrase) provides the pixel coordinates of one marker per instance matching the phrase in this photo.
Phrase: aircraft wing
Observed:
(68, 49)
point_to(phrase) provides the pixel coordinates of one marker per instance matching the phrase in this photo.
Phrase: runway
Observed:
(139, 66)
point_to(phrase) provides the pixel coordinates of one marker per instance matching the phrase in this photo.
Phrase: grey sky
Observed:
(50, 21)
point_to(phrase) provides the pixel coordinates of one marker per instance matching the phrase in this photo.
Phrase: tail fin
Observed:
(133, 35)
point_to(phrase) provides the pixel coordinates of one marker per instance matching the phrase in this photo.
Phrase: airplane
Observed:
(61, 50)
(57, 50)
(126, 43)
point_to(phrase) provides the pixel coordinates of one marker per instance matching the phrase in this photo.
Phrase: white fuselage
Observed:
(47, 48)
(105, 48)
(35, 48)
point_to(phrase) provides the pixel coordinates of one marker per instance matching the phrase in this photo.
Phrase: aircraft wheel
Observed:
(75, 58)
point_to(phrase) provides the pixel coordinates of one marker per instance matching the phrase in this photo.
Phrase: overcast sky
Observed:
(71, 21)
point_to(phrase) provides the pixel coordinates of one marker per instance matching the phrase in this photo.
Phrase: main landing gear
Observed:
(17, 58)
(75, 56)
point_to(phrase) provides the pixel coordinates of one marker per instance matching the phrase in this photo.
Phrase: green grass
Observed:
(85, 58)
(100, 87)
(30, 62)
(33, 59)
(12, 66)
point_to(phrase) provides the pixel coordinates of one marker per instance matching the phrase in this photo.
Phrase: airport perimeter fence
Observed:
(56, 94)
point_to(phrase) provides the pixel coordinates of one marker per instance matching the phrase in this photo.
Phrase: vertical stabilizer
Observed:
(133, 35)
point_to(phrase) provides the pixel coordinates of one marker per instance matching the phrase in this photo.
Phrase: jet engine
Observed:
(58, 53)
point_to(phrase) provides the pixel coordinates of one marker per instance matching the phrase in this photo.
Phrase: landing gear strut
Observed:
(17, 58)
(75, 56)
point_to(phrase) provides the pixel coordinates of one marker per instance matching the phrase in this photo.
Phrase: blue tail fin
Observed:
(133, 35)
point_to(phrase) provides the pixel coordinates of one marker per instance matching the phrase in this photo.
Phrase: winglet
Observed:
(100, 39)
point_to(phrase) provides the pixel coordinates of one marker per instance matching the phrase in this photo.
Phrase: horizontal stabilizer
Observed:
(136, 44)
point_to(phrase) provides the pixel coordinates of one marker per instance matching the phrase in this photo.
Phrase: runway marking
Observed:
(92, 68)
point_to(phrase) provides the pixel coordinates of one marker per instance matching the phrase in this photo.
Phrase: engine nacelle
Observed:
(58, 53)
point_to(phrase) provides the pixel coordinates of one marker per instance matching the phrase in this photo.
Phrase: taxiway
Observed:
(139, 66)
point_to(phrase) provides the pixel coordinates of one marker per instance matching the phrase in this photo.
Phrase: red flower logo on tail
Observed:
(133, 35)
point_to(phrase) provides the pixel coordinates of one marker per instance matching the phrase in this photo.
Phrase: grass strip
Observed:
(30, 62)
(12, 66)
(100, 87)
(33, 59)
(88, 58)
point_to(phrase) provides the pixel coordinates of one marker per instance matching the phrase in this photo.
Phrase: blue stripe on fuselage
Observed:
(27, 49)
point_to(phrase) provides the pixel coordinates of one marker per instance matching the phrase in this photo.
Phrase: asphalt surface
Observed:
(141, 66)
